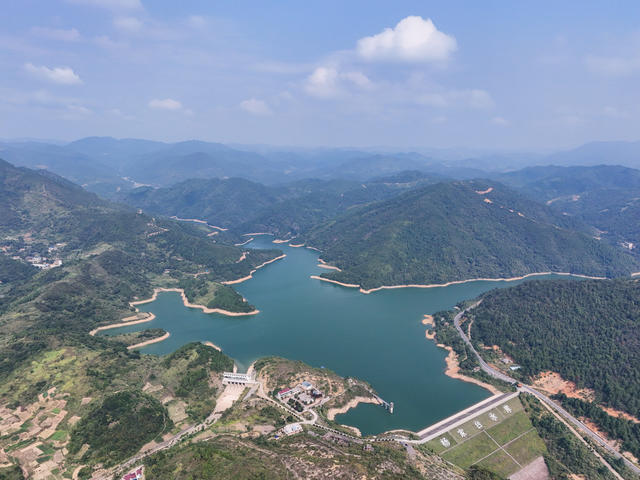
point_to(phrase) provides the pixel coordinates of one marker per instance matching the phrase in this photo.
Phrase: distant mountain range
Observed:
(106, 165)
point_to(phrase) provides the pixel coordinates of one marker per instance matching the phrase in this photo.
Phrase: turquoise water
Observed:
(377, 337)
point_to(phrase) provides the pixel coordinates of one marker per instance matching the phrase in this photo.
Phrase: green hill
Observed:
(587, 331)
(286, 210)
(606, 197)
(456, 231)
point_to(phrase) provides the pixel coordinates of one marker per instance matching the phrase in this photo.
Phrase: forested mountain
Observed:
(285, 210)
(587, 331)
(86, 244)
(604, 196)
(460, 230)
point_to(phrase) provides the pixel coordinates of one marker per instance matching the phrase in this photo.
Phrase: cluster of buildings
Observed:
(305, 393)
(30, 254)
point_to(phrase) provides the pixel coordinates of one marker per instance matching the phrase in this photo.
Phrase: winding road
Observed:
(493, 372)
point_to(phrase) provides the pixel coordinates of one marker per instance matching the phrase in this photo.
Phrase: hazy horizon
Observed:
(362, 74)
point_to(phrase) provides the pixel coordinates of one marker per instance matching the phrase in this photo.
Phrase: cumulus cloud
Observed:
(413, 39)
(613, 66)
(70, 35)
(329, 81)
(255, 106)
(165, 104)
(110, 4)
(59, 75)
(128, 24)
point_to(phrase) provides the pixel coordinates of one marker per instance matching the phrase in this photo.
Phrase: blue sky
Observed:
(503, 75)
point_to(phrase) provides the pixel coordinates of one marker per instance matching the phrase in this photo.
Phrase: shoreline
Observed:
(296, 245)
(123, 323)
(282, 241)
(240, 280)
(353, 403)
(212, 345)
(453, 371)
(323, 264)
(198, 221)
(328, 280)
(243, 243)
(456, 282)
(149, 342)
(188, 304)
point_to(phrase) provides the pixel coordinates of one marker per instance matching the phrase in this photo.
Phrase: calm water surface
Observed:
(377, 337)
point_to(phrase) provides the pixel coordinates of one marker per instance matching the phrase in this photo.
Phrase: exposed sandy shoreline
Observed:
(453, 371)
(255, 233)
(353, 403)
(149, 342)
(297, 245)
(240, 280)
(124, 323)
(198, 221)
(282, 241)
(212, 345)
(350, 285)
(188, 304)
(243, 243)
(323, 264)
(455, 282)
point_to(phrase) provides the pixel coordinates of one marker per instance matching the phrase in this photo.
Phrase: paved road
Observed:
(543, 398)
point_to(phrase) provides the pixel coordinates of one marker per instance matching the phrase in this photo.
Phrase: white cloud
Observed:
(128, 24)
(473, 98)
(501, 121)
(196, 21)
(413, 39)
(70, 35)
(255, 106)
(323, 82)
(166, 104)
(59, 75)
(110, 4)
(329, 82)
(613, 66)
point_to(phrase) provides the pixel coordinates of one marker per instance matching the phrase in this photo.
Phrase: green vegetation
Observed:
(214, 295)
(567, 454)
(617, 428)
(587, 331)
(198, 364)
(134, 338)
(11, 473)
(117, 429)
(244, 206)
(606, 197)
(448, 232)
(227, 457)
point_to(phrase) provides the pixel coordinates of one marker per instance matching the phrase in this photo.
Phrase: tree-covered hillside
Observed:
(244, 206)
(606, 197)
(587, 331)
(456, 231)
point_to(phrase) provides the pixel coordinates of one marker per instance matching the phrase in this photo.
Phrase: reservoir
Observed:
(377, 337)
